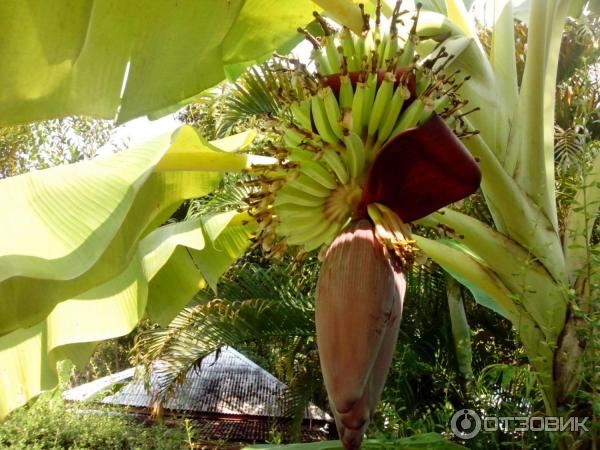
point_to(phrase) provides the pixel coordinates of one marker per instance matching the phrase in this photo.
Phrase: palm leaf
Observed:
(228, 196)
(259, 92)
(257, 305)
(568, 146)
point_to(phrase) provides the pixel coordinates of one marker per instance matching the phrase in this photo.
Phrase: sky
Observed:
(139, 130)
(142, 129)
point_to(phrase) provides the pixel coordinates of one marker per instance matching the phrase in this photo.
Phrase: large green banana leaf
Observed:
(28, 356)
(70, 57)
(74, 227)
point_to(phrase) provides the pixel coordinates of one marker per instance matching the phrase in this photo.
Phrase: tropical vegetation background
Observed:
(452, 352)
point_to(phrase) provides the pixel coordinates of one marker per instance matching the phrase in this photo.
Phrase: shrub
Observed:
(49, 423)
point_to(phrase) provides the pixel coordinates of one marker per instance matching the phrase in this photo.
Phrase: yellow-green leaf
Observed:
(28, 356)
(72, 228)
(73, 57)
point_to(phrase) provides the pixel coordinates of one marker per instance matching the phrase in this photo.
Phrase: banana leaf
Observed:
(113, 58)
(80, 224)
(28, 356)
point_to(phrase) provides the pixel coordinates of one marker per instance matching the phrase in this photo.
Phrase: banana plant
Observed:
(386, 107)
(523, 264)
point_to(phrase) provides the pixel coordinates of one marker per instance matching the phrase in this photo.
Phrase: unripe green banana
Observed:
(307, 184)
(409, 117)
(301, 112)
(318, 173)
(332, 109)
(355, 154)
(408, 52)
(292, 138)
(410, 45)
(370, 91)
(380, 43)
(337, 165)
(348, 50)
(391, 117)
(321, 121)
(391, 47)
(333, 56)
(289, 194)
(298, 154)
(346, 92)
(369, 44)
(376, 32)
(324, 238)
(359, 49)
(288, 224)
(422, 83)
(357, 108)
(287, 210)
(382, 100)
(308, 233)
(321, 61)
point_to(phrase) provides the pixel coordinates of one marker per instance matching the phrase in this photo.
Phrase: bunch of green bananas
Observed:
(366, 91)
(343, 151)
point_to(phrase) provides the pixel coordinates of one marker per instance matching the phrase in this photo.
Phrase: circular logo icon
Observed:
(465, 424)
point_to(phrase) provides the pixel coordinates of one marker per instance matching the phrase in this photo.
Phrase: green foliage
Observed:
(228, 196)
(252, 100)
(40, 145)
(123, 212)
(259, 95)
(204, 112)
(266, 311)
(429, 441)
(92, 58)
(49, 423)
(425, 386)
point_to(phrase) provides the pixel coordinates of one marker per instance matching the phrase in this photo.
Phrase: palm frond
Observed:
(261, 92)
(569, 145)
(258, 305)
(228, 196)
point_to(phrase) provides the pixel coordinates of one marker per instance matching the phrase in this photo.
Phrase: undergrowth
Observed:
(49, 423)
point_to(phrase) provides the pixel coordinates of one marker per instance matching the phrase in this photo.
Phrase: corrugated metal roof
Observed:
(250, 430)
(89, 390)
(230, 384)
